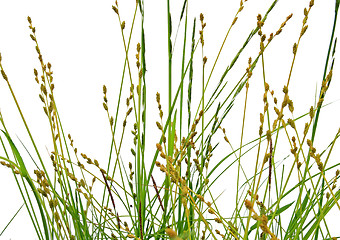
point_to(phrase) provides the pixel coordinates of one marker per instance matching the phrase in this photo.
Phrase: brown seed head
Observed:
(291, 123)
(249, 205)
(105, 106)
(201, 17)
(235, 20)
(205, 60)
(4, 75)
(294, 48)
(303, 30)
(115, 9)
(159, 147)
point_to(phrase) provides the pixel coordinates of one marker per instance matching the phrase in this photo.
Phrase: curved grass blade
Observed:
(25, 174)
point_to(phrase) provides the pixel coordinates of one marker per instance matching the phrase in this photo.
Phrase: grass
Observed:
(285, 192)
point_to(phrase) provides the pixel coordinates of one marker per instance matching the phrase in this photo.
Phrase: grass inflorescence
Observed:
(172, 193)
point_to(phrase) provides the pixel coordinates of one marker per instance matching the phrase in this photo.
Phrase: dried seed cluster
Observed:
(265, 109)
(260, 24)
(96, 163)
(4, 76)
(317, 156)
(224, 133)
(239, 10)
(46, 86)
(262, 219)
(337, 173)
(249, 72)
(304, 25)
(203, 25)
(138, 56)
(115, 8)
(11, 166)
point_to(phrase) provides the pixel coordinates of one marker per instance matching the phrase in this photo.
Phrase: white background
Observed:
(82, 40)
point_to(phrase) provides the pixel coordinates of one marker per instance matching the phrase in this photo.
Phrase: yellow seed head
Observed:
(278, 31)
(218, 220)
(285, 89)
(261, 130)
(171, 233)
(305, 12)
(234, 21)
(311, 112)
(294, 48)
(4, 75)
(266, 87)
(249, 205)
(105, 106)
(159, 147)
(309, 143)
(303, 30)
(291, 106)
(211, 211)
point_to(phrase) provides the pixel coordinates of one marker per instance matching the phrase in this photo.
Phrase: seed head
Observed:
(205, 60)
(201, 17)
(268, 135)
(261, 130)
(259, 17)
(171, 233)
(33, 38)
(285, 89)
(266, 87)
(303, 30)
(115, 9)
(305, 12)
(4, 75)
(291, 106)
(133, 152)
(249, 205)
(211, 211)
(129, 111)
(234, 21)
(159, 147)
(294, 48)
(159, 126)
(309, 143)
(291, 123)
(105, 106)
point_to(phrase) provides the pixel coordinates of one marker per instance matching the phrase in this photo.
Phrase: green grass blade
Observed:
(11, 220)
(25, 174)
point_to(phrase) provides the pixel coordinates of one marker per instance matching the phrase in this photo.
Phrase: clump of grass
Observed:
(74, 196)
